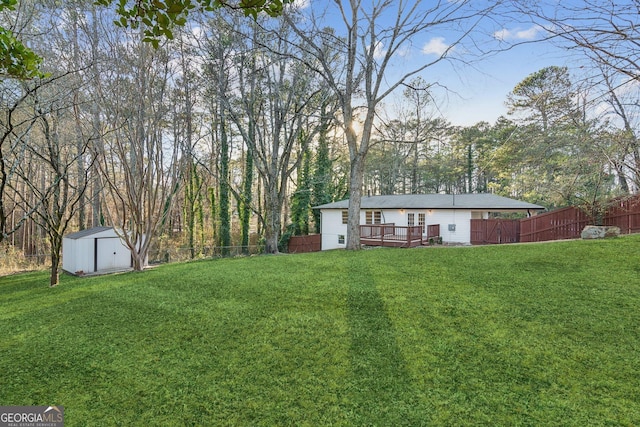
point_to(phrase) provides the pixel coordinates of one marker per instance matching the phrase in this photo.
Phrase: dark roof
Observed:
(483, 201)
(86, 233)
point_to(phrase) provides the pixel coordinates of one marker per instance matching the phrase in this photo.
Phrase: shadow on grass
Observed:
(383, 392)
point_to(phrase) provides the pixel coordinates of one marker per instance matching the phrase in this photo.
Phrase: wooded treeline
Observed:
(220, 140)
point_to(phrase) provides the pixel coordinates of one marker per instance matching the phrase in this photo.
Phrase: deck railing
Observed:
(390, 235)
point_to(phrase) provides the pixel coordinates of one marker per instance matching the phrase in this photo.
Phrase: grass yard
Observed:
(539, 334)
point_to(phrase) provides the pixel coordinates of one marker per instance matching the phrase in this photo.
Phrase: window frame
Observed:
(372, 217)
(411, 219)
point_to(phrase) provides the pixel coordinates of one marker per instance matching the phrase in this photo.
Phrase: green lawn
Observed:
(539, 334)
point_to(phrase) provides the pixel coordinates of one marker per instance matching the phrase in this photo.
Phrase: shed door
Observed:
(111, 254)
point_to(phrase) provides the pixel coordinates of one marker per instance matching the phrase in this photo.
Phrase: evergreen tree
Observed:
(246, 199)
(301, 200)
(322, 177)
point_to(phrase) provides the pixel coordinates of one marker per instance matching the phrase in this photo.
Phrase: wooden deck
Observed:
(391, 235)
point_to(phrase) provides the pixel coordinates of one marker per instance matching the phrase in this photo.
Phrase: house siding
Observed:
(332, 226)
(443, 217)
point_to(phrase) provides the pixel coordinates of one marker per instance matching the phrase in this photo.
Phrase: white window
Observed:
(411, 219)
(373, 217)
(421, 221)
(341, 239)
(345, 217)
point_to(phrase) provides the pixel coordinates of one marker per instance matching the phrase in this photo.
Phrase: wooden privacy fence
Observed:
(304, 244)
(569, 222)
(433, 230)
(494, 231)
(564, 223)
(624, 213)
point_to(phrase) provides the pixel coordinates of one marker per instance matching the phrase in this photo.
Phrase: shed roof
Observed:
(482, 201)
(86, 233)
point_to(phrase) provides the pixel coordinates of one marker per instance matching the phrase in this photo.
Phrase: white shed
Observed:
(94, 250)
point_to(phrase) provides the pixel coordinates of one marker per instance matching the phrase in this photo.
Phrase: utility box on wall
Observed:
(452, 227)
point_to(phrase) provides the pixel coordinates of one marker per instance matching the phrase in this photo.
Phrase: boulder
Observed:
(599, 232)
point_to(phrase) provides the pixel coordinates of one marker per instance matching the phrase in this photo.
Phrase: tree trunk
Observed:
(245, 205)
(3, 182)
(273, 223)
(355, 198)
(56, 249)
(97, 145)
(414, 168)
(137, 260)
(190, 217)
(80, 145)
(225, 218)
(624, 185)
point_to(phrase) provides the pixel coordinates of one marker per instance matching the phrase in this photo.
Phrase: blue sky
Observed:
(474, 92)
(481, 91)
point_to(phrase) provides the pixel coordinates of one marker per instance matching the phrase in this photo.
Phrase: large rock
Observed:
(599, 232)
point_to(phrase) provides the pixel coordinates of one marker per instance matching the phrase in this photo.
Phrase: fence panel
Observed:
(564, 223)
(478, 231)
(510, 231)
(433, 230)
(494, 231)
(569, 222)
(624, 213)
(304, 244)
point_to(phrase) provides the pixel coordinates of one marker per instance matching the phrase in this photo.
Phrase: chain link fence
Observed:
(181, 254)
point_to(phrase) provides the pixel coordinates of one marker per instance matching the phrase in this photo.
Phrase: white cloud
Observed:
(435, 46)
(502, 34)
(299, 4)
(630, 87)
(197, 32)
(404, 51)
(379, 51)
(527, 34)
(603, 109)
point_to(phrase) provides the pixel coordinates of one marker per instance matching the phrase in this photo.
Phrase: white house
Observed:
(451, 212)
(94, 250)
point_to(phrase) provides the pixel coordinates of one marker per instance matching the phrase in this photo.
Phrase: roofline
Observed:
(469, 201)
(492, 209)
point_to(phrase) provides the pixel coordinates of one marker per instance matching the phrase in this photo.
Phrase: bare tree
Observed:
(137, 164)
(606, 31)
(623, 150)
(17, 25)
(272, 102)
(401, 141)
(51, 176)
(371, 38)
(46, 161)
(93, 36)
(15, 125)
(187, 133)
